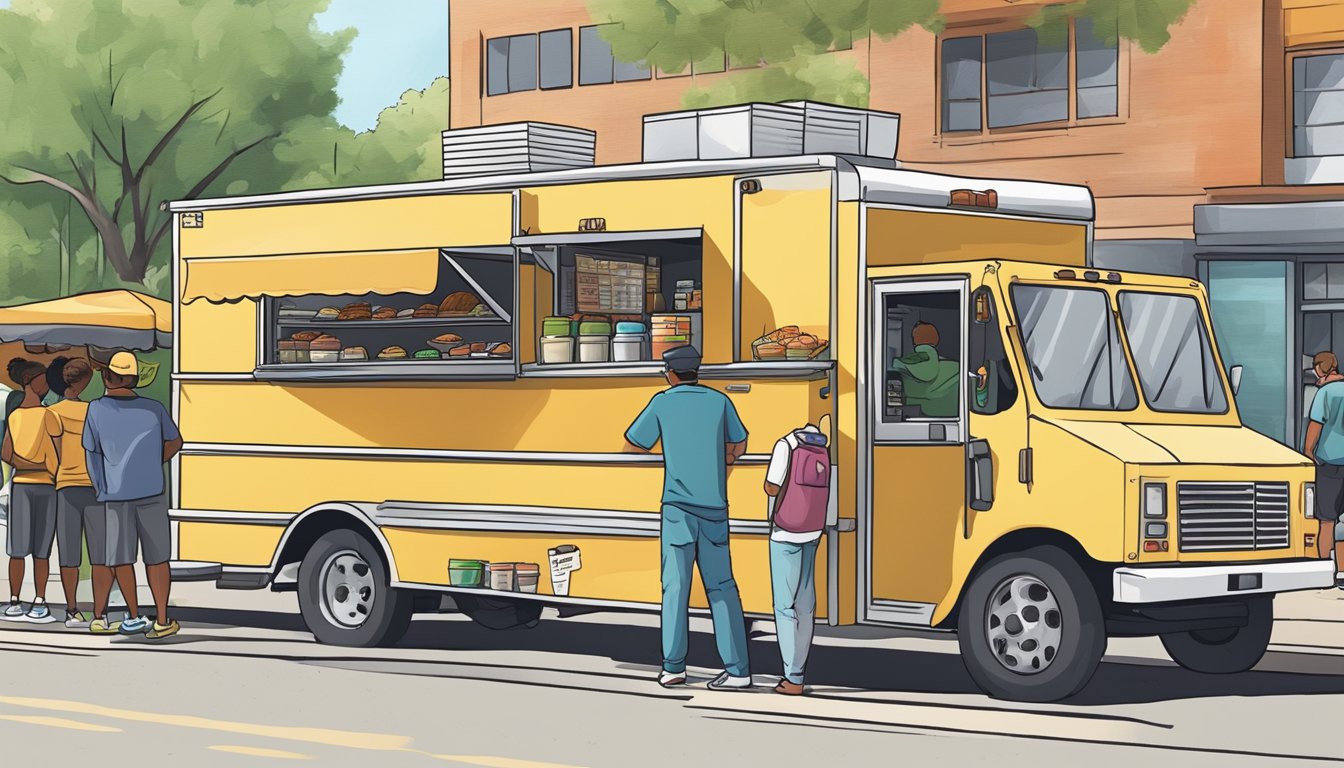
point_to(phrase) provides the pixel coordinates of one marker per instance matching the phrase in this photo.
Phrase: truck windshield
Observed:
(1073, 350)
(1172, 353)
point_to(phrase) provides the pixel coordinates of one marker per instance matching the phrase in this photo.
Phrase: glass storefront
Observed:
(1249, 301)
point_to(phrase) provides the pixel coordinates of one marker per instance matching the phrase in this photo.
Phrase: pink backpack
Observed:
(802, 503)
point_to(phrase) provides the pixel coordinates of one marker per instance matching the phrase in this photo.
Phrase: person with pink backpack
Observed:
(798, 481)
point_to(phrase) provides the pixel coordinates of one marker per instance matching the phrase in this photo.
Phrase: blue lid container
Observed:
(629, 327)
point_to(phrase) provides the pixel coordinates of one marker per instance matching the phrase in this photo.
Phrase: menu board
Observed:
(608, 286)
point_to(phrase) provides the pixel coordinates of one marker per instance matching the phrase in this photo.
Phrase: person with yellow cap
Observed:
(127, 440)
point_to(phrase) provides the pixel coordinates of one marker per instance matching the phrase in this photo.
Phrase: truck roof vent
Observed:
(770, 130)
(491, 150)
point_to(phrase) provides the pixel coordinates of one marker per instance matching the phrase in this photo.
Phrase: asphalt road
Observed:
(244, 684)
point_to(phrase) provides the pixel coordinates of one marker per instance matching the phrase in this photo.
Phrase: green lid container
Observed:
(594, 328)
(557, 326)
(466, 573)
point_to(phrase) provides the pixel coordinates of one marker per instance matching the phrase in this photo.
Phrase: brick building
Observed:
(1220, 157)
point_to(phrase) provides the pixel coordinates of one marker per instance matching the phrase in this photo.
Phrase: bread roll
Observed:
(392, 353)
(781, 334)
(503, 350)
(458, 303)
(355, 313)
(385, 313)
(447, 338)
(305, 335)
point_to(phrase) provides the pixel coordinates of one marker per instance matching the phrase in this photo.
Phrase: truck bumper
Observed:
(1193, 582)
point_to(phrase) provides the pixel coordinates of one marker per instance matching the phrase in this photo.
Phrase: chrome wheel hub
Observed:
(347, 589)
(1024, 625)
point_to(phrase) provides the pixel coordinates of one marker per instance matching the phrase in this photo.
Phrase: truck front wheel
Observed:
(1229, 650)
(345, 594)
(1030, 627)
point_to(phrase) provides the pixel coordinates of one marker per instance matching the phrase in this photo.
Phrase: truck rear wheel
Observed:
(345, 593)
(1225, 651)
(1030, 627)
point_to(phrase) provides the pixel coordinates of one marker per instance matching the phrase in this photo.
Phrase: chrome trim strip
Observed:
(230, 516)
(434, 454)
(897, 612)
(501, 517)
(597, 238)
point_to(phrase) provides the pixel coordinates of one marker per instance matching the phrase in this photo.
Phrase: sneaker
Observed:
(75, 620)
(160, 631)
(101, 626)
(135, 626)
(39, 613)
(1339, 579)
(14, 611)
(727, 682)
(671, 679)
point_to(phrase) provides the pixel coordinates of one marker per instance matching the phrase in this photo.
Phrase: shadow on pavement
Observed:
(875, 669)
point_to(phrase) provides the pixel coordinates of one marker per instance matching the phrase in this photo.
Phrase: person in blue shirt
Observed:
(1325, 445)
(701, 435)
(127, 440)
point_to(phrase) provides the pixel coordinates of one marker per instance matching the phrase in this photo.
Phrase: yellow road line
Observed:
(278, 754)
(60, 722)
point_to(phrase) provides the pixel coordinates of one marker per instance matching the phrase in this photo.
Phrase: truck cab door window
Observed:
(920, 362)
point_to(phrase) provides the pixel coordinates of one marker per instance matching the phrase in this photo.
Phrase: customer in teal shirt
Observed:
(929, 381)
(701, 434)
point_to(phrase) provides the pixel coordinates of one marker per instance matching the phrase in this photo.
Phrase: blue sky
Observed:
(401, 44)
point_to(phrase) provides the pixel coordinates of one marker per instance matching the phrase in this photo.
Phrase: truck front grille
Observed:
(1225, 517)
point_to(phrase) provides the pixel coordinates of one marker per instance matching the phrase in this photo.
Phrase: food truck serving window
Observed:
(467, 318)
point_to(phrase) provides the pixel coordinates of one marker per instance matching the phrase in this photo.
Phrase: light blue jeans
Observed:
(689, 540)
(792, 571)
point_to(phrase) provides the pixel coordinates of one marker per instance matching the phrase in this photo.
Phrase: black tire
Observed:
(1077, 633)
(1225, 651)
(380, 619)
(499, 613)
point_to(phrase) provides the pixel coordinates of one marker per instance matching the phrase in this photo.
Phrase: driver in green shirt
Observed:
(929, 381)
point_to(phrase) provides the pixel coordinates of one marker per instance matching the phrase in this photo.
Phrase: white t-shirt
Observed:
(775, 474)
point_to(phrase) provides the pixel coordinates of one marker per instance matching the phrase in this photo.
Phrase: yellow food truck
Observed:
(413, 397)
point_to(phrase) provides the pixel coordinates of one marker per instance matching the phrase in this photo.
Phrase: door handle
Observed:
(981, 475)
(738, 387)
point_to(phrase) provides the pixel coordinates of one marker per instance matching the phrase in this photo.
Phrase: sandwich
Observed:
(392, 353)
(502, 350)
(458, 304)
(770, 350)
(325, 342)
(478, 346)
(327, 313)
(460, 351)
(447, 338)
(305, 335)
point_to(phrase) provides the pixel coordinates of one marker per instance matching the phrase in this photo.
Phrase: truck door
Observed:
(917, 444)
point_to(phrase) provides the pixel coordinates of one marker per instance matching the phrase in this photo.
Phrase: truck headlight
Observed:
(1309, 500)
(1155, 500)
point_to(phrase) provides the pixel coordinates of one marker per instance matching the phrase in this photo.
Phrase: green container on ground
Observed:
(466, 573)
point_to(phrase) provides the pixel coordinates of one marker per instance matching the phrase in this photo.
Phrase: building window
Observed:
(511, 64)
(598, 67)
(1318, 105)
(1013, 78)
(557, 59)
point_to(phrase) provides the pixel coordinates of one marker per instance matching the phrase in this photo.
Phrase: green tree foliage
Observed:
(120, 104)
(791, 38)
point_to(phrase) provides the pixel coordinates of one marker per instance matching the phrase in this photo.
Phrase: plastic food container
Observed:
(629, 327)
(594, 328)
(526, 576)
(594, 349)
(499, 576)
(627, 347)
(466, 573)
(557, 349)
(289, 352)
(325, 356)
(557, 326)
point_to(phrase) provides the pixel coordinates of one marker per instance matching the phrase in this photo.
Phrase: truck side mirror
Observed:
(980, 481)
(1234, 378)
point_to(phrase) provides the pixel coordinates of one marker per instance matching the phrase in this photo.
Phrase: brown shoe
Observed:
(789, 689)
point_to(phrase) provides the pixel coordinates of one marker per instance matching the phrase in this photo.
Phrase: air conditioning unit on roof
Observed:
(770, 130)
(490, 150)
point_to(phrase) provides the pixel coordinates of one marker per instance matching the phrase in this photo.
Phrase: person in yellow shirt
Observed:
(29, 448)
(79, 514)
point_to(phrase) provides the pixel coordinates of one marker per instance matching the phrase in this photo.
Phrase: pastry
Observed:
(392, 353)
(327, 313)
(502, 350)
(427, 354)
(426, 310)
(325, 342)
(458, 304)
(770, 350)
(461, 351)
(305, 335)
(781, 334)
(479, 346)
(385, 313)
(447, 338)
(359, 305)
(354, 353)
(802, 341)
(355, 313)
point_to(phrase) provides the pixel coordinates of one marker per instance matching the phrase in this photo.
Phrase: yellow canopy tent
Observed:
(109, 319)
